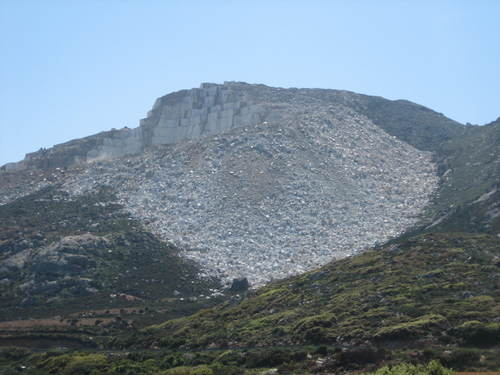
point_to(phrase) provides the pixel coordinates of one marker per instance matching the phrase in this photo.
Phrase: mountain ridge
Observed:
(125, 141)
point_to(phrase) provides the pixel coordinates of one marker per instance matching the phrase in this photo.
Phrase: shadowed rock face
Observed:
(58, 253)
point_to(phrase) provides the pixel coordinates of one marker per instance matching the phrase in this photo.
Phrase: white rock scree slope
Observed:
(257, 182)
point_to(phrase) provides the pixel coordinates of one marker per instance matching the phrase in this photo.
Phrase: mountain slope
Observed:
(469, 165)
(426, 289)
(61, 255)
(429, 286)
(414, 124)
(277, 198)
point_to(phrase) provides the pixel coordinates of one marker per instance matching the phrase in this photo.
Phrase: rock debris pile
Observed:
(308, 184)
(251, 181)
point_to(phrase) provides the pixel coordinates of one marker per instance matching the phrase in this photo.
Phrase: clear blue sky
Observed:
(71, 68)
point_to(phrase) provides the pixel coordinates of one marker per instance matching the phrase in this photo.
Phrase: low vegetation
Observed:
(304, 360)
(433, 289)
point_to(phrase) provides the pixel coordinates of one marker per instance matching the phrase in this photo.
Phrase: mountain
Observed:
(269, 182)
(433, 290)
(470, 166)
(379, 218)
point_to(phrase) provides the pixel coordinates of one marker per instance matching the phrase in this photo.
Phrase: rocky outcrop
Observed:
(56, 266)
(191, 114)
(188, 114)
(68, 255)
(105, 145)
(214, 109)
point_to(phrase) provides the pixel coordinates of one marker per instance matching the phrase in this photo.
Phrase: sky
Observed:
(72, 68)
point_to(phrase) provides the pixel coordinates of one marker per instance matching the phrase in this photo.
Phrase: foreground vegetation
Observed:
(429, 290)
(304, 360)
(431, 297)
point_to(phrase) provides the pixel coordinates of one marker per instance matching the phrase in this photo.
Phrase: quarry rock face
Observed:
(187, 114)
(214, 109)
(209, 110)
(252, 181)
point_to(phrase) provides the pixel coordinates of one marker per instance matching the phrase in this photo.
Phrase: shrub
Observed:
(361, 356)
(126, 367)
(75, 364)
(173, 360)
(185, 370)
(13, 353)
(267, 358)
(476, 333)
(219, 369)
(460, 359)
(432, 368)
(314, 329)
(412, 328)
(230, 357)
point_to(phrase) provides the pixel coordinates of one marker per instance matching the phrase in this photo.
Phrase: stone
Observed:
(239, 285)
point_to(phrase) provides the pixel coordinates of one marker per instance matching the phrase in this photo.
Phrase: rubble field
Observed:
(275, 199)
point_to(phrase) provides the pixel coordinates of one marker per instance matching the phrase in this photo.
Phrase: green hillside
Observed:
(432, 289)
(469, 166)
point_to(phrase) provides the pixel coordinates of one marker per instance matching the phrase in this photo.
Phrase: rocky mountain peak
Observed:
(216, 108)
(186, 114)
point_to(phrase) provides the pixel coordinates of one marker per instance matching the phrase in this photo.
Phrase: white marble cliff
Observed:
(187, 114)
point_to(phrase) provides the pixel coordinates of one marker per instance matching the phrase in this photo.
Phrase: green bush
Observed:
(127, 367)
(432, 368)
(13, 353)
(231, 358)
(314, 329)
(412, 328)
(477, 333)
(219, 369)
(361, 355)
(173, 360)
(186, 370)
(460, 359)
(75, 364)
(267, 358)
